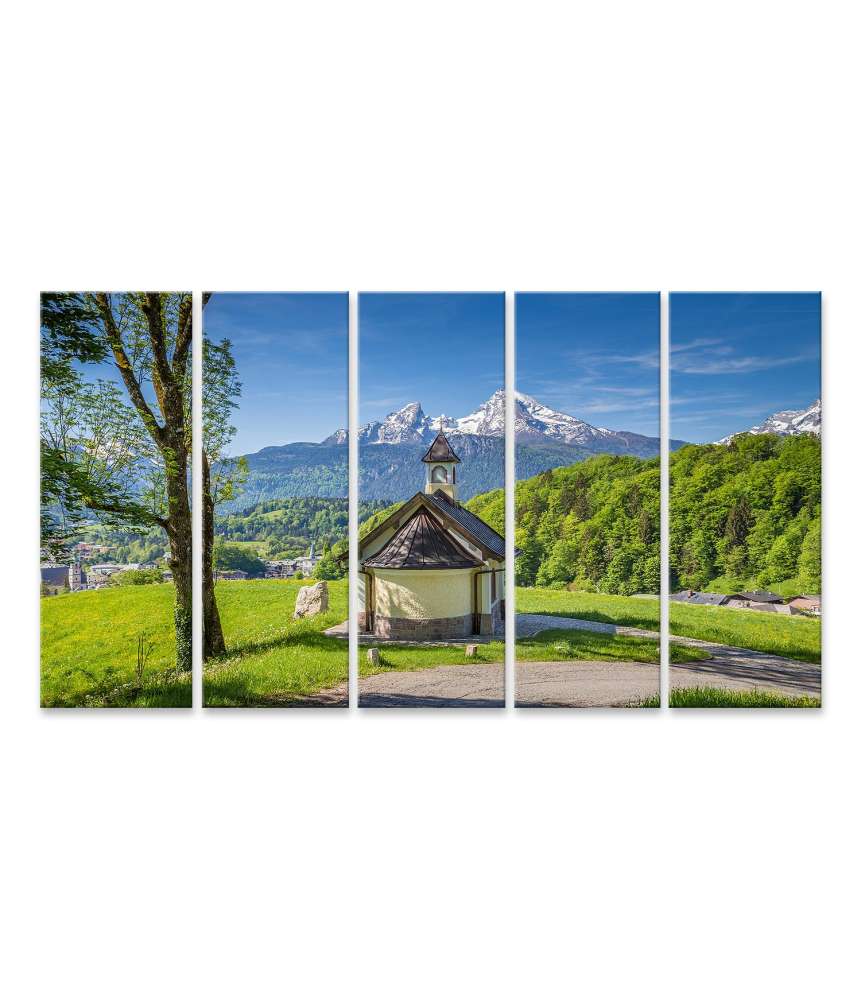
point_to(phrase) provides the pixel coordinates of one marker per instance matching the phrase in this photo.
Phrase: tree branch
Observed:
(183, 337)
(151, 306)
(125, 369)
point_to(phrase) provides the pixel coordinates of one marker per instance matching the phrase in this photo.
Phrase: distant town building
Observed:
(752, 600)
(760, 596)
(231, 574)
(699, 597)
(806, 604)
(282, 568)
(54, 578)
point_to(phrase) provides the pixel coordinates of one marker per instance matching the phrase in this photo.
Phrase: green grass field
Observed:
(709, 697)
(89, 643)
(796, 637)
(271, 659)
(89, 649)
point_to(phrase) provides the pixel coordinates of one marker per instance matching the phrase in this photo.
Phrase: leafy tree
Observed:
(746, 513)
(124, 462)
(810, 559)
(227, 556)
(222, 476)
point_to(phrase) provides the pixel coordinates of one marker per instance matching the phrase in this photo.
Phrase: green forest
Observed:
(748, 512)
(286, 528)
(741, 515)
(594, 525)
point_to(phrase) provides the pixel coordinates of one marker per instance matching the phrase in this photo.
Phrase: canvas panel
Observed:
(587, 500)
(432, 575)
(746, 499)
(275, 505)
(116, 488)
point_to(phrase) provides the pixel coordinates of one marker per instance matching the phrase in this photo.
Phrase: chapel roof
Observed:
(491, 540)
(422, 543)
(440, 450)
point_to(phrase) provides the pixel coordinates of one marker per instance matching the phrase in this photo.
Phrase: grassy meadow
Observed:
(711, 697)
(271, 659)
(89, 649)
(89, 643)
(793, 636)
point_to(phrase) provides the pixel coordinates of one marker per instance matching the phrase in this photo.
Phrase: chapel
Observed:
(432, 569)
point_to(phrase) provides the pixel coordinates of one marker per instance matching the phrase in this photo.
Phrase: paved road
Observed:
(565, 684)
(583, 683)
(729, 667)
(439, 687)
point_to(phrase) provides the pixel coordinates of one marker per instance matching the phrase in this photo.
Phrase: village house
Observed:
(307, 564)
(699, 597)
(432, 569)
(277, 569)
(806, 604)
(56, 578)
(752, 600)
(280, 568)
(231, 574)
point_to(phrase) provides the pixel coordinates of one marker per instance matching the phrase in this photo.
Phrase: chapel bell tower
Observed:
(441, 463)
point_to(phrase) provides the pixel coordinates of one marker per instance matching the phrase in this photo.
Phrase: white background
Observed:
(429, 146)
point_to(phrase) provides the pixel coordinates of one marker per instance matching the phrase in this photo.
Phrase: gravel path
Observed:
(585, 684)
(439, 687)
(730, 667)
(581, 683)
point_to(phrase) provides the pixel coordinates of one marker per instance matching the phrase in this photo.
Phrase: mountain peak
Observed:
(533, 422)
(404, 426)
(787, 423)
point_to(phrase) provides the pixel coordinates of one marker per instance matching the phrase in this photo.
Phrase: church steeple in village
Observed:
(440, 463)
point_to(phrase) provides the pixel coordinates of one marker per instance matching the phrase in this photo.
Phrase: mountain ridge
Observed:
(787, 423)
(533, 422)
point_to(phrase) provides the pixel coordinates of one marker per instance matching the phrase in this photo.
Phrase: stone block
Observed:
(312, 600)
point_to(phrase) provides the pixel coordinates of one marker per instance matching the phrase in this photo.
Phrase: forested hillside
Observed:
(747, 512)
(394, 471)
(286, 528)
(595, 525)
(741, 515)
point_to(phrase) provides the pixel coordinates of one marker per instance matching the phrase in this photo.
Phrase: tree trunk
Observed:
(213, 636)
(179, 533)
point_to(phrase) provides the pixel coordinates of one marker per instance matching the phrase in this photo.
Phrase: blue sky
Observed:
(736, 358)
(594, 356)
(291, 354)
(443, 350)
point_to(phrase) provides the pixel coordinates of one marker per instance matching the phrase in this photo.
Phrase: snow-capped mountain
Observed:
(391, 449)
(787, 423)
(534, 420)
(533, 423)
(488, 419)
(407, 425)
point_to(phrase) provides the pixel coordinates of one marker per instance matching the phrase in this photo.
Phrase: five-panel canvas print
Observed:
(721, 527)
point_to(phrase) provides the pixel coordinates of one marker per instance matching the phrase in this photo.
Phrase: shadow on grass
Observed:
(235, 692)
(313, 640)
(165, 689)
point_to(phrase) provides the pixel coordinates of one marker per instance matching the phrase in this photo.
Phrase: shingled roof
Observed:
(440, 450)
(472, 522)
(422, 543)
